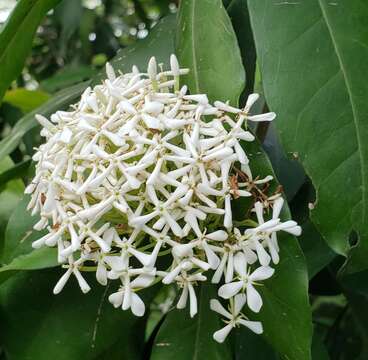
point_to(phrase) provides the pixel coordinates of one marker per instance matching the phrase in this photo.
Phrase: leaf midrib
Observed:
(195, 70)
(353, 107)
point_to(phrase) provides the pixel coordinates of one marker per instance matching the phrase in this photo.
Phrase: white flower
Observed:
(233, 318)
(186, 282)
(139, 169)
(246, 281)
(267, 231)
(73, 268)
(126, 296)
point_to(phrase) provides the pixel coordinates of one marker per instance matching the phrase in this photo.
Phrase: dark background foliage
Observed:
(308, 60)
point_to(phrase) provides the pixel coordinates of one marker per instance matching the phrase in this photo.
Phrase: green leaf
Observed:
(206, 43)
(249, 345)
(68, 14)
(10, 195)
(18, 253)
(67, 76)
(239, 16)
(289, 172)
(285, 314)
(182, 337)
(355, 290)
(26, 100)
(316, 251)
(17, 171)
(159, 43)
(37, 325)
(59, 101)
(17, 35)
(319, 351)
(312, 70)
(36, 259)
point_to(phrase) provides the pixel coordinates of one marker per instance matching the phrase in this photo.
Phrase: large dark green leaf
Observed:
(183, 338)
(206, 43)
(37, 325)
(312, 56)
(316, 251)
(16, 37)
(251, 346)
(286, 314)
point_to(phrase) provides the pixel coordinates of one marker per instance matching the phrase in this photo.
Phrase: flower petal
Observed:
(220, 335)
(227, 291)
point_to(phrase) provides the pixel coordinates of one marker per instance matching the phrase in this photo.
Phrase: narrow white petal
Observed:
(216, 306)
(182, 303)
(240, 264)
(252, 98)
(255, 326)
(229, 290)
(262, 117)
(220, 270)
(239, 302)
(261, 273)
(219, 235)
(62, 281)
(263, 257)
(277, 206)
(192, 300)
(221, 335)
(254, 300)
(101, 273)
(81, 281)
(137, 305)
(142, 281)
(230, 268)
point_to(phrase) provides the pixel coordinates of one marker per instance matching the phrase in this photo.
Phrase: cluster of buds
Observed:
(139, 171)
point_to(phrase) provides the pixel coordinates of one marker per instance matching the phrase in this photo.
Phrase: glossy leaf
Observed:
(38, 325)
(286, 314)
(252, 346)
(17, 35)
(316, 251)
(182, 337)
(206, 43)
(312, 70)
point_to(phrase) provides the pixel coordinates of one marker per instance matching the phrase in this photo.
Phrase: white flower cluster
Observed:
(139, 169)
